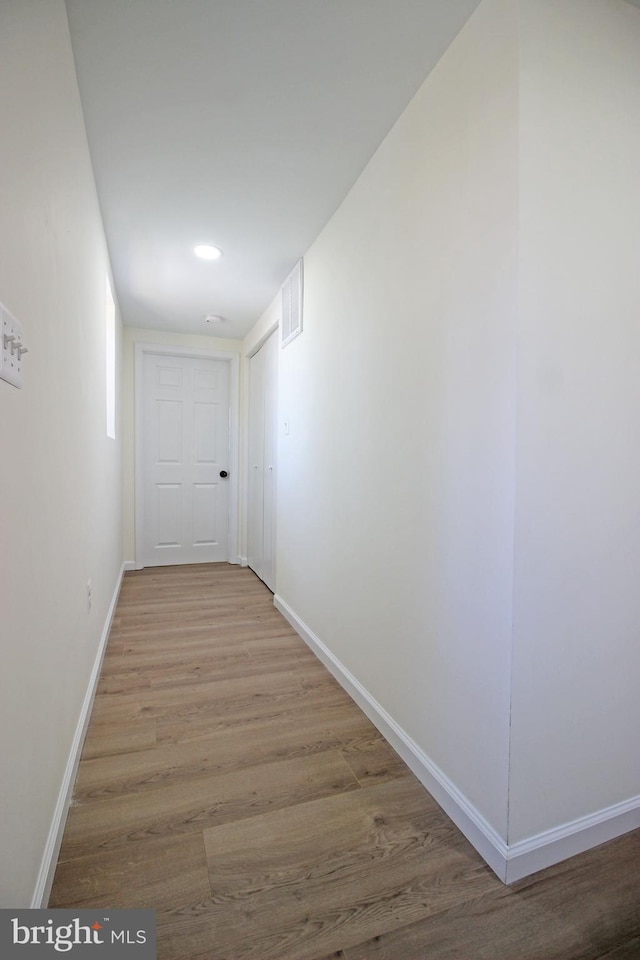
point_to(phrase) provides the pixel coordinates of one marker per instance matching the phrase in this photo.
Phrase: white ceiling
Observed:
(241, 123)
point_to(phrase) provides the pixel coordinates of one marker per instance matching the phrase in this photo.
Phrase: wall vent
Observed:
(291, 324)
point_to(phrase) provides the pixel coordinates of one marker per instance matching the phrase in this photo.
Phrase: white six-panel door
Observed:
(185, 451)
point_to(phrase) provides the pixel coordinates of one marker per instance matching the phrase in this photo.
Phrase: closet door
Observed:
(263, 418)
(271, 354)
(255, 511)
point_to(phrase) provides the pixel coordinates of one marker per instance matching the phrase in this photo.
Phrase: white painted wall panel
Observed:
(458, 519)
(60, 499)
(576, 722)
(395, 493)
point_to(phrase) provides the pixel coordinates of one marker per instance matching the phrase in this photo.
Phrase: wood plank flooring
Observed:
(229, 782)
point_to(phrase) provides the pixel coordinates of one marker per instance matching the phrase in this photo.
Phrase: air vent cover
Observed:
(291, 324)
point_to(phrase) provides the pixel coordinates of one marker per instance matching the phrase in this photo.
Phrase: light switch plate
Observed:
(11, 365)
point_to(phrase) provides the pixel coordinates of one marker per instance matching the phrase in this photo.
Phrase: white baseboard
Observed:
(132, 565)
(552, 846)
(509, 862)
(475, 828)
(54, 840)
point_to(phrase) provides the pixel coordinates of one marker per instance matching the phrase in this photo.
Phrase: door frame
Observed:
(272, 331)
(168, 350)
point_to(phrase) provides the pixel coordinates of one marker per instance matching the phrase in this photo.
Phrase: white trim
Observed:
(243, 561)
(54, 840)
(166, 349)
(251, 352)
(464, 815)
(509, 862)
(129, 565)
(552, 846)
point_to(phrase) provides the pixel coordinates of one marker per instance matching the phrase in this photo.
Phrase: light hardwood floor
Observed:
(229, 782)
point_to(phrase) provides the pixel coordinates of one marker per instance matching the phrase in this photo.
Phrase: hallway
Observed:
(228, 782)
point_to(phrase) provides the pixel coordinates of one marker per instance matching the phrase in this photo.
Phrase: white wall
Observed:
(132, 336)
(458, 517)
(59, 474)
(395, 516)
(576, 722)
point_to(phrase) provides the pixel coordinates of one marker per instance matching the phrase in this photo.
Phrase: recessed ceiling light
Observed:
(206, 252)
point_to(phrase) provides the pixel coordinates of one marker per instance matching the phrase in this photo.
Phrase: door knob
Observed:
(223, 474)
